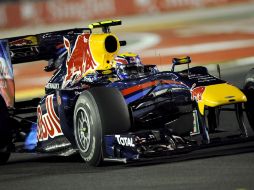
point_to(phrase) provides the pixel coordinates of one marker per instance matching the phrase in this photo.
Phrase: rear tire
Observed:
(99, 111)
(5, 132)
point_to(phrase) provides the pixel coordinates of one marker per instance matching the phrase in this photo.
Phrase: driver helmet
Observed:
(128, 65)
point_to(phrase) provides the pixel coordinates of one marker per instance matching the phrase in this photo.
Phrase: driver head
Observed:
(128, 65)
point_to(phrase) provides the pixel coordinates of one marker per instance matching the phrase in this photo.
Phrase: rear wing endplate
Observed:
(29, 48)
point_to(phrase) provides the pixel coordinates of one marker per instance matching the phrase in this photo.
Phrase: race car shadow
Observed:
(217, 151)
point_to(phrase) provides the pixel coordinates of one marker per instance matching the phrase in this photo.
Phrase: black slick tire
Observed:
(98, 111)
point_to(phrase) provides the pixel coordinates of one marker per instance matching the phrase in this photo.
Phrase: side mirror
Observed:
(123, 43)
(180, 61)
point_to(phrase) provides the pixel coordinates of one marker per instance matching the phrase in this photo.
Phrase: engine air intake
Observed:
(111, 44)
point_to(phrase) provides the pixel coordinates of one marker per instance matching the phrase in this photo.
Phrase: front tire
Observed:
(99, 111)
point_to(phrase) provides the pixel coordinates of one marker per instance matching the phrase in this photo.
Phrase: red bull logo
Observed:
(48, 123)
(196, 93)
(80, 61)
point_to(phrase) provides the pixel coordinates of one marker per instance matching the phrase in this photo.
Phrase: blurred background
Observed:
(209, 31)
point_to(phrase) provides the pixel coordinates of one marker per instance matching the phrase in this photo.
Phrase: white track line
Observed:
(199, 48)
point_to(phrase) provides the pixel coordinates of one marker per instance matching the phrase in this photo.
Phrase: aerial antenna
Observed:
(218, 70)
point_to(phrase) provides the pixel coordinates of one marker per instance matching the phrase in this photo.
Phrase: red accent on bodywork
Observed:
(146, 85)
(50, 120)
(80, 59)
(48, 123)
(53, 115)
(20, 42)
(196, 93)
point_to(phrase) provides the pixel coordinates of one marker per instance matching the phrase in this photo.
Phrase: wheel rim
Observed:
(83, 129)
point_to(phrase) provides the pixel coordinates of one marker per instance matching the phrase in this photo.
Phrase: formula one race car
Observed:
(108, 107)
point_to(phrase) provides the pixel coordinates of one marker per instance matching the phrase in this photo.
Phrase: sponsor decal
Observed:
(197, 92)
(52, 86)
(30, 40)
(48, 123)
(125, 141)
(80, 61)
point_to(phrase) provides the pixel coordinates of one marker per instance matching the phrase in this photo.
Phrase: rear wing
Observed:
(46, 46)
(26, 49)
(40, 46)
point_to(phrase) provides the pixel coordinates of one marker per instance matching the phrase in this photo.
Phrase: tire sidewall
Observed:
(93, 155)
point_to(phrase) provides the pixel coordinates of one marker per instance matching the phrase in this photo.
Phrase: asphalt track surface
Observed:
(226, 167)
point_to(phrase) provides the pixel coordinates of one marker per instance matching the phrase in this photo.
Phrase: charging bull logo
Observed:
(80, 61)
(196, 93)
(48, 123)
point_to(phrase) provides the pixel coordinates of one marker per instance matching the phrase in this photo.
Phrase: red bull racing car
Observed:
(108, 106)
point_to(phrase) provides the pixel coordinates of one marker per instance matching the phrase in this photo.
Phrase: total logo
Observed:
(125, 141)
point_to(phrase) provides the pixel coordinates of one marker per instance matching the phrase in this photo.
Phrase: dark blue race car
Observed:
(109, 106)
